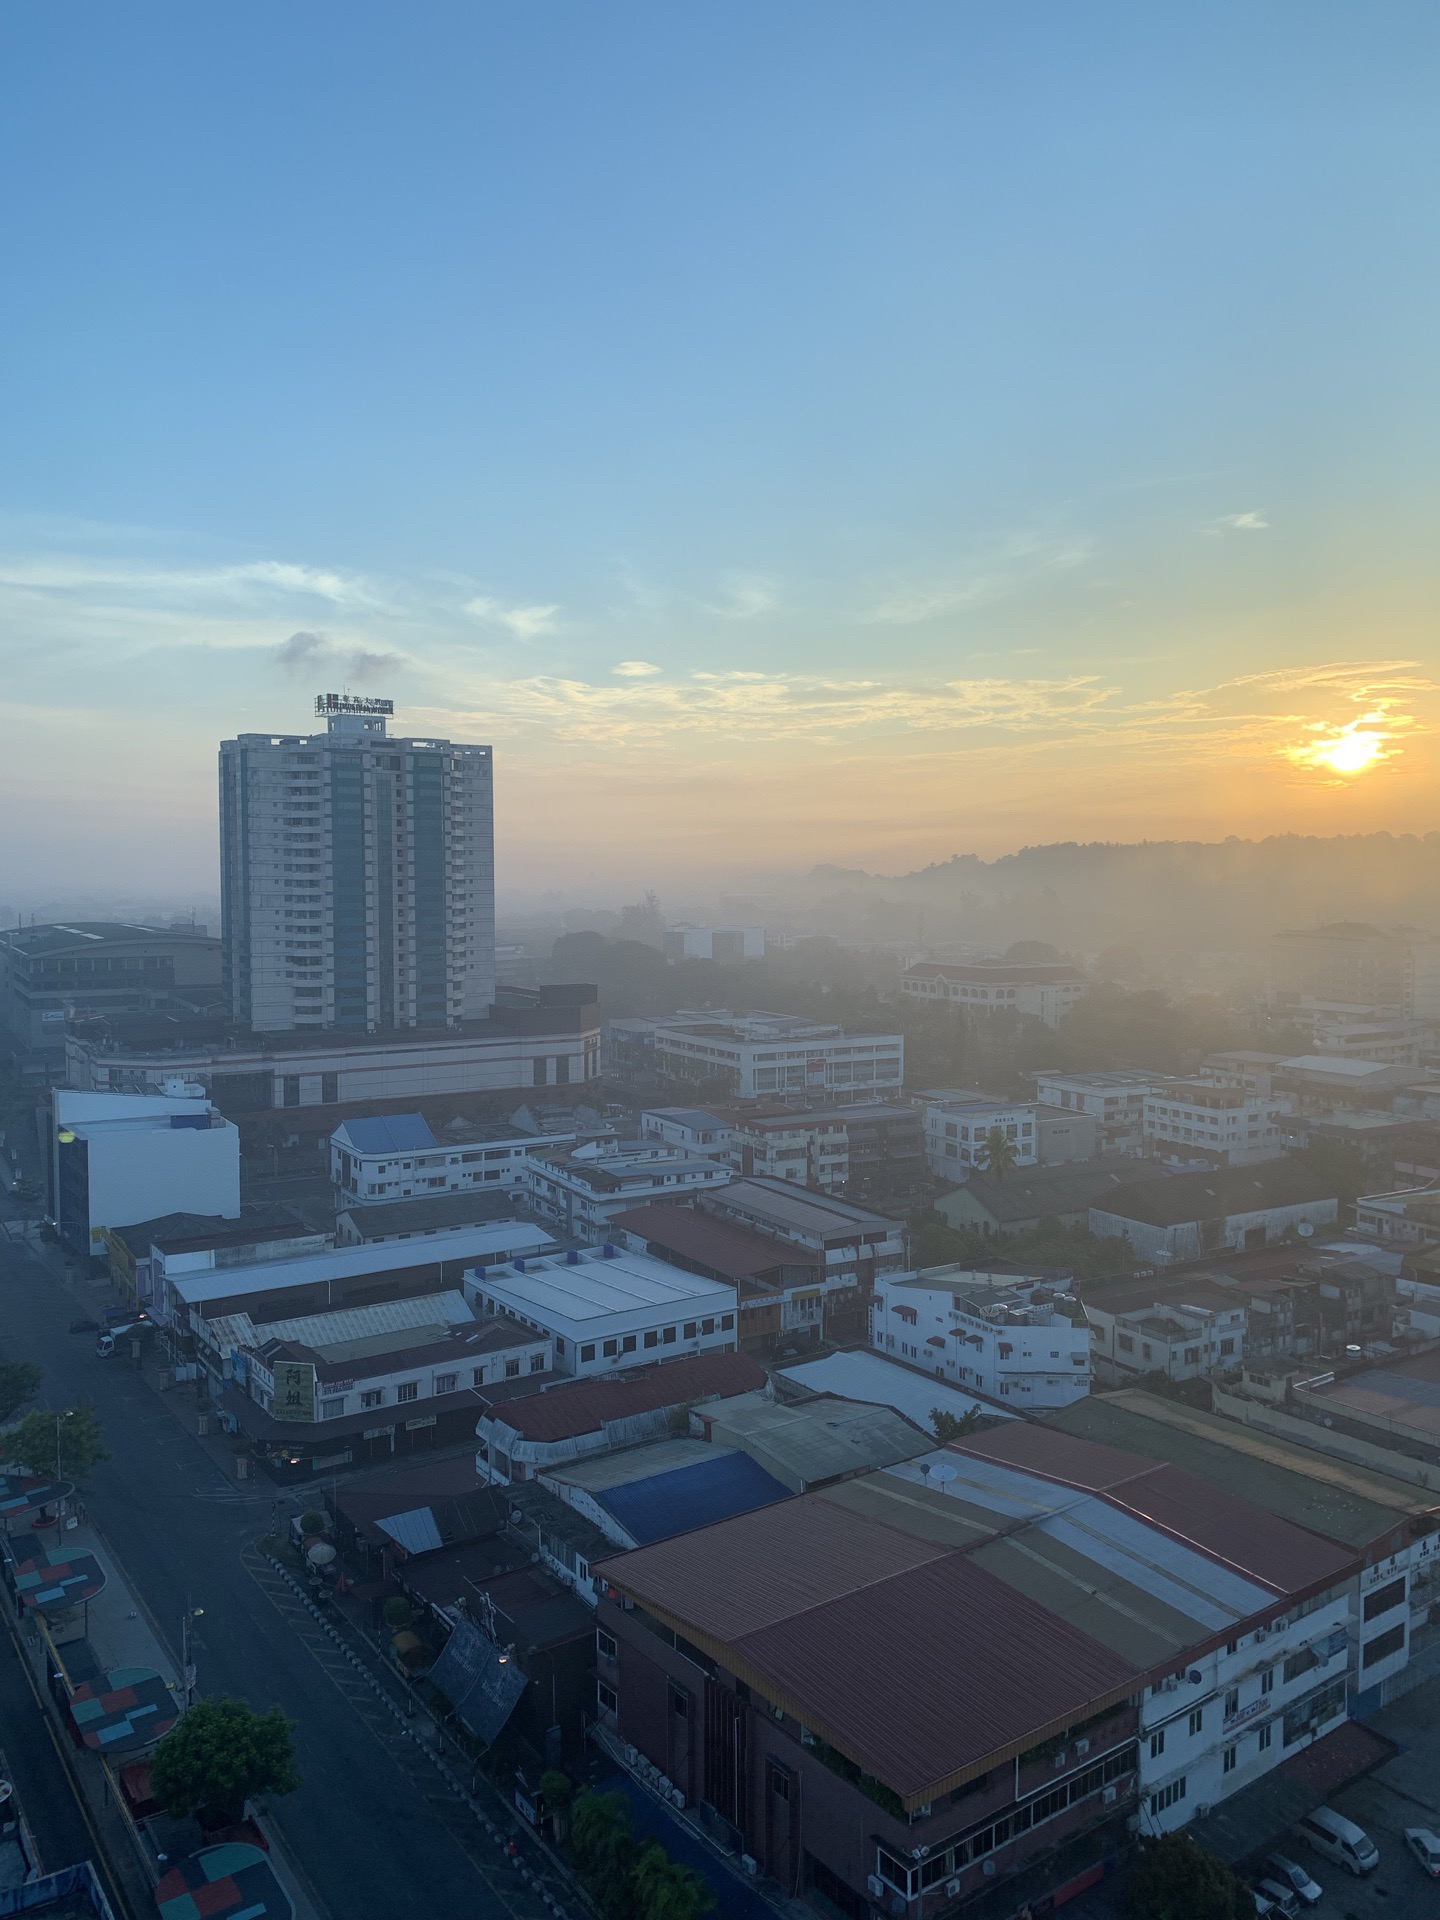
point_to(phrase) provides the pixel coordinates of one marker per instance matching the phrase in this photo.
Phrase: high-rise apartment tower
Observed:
(357, 876)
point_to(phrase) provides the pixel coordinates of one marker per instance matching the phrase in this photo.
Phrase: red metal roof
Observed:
(908, 1655)
(736, 1252)
(1276, 1552)
(586, 1405)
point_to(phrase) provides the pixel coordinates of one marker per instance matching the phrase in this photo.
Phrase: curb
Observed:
(441, 1765)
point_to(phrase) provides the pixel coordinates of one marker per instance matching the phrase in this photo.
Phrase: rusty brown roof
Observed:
(738, 1253)
(1249, 1538)
(584, 1407)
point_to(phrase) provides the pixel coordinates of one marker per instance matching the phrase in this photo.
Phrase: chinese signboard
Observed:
(294, 1390)
(350, 703)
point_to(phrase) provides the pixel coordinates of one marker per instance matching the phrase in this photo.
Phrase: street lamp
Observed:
(187, 1618)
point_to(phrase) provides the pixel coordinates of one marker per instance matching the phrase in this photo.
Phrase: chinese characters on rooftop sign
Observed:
(350, 703)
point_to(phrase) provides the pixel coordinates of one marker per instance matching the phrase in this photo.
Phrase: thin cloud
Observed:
(525, 623)
(636, 669)
(1007, 570)
(305, 652)
(1253, 522)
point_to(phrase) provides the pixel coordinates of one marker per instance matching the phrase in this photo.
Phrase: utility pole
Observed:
(187, 1676)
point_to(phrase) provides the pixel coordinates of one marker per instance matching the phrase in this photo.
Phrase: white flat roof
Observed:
(505, 1238)
(580, 1292)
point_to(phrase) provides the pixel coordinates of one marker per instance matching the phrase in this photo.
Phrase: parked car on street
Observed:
(1339, 1839)
(1423, 1843)
(1291, 1874)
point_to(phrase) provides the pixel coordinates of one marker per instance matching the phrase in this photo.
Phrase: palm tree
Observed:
(1000, 1153)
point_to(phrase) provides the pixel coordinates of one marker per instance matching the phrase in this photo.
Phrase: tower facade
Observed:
(357, 876)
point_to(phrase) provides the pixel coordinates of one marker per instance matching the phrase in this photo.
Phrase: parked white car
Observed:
(1291, 1874)
(1426, 1849)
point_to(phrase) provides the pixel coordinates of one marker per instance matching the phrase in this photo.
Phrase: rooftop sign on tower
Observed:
(326, 703)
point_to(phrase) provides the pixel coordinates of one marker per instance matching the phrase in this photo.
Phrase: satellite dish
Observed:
(1305, 1229)
(943, 1472)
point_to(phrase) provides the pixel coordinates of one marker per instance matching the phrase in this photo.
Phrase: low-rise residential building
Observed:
(1017, 1201)
(1181, 1341)
(1062, 1138)
(697, 1129)
(389, 1157)
(1388, 1043)
(958, 1127)
(1047, 993)
(758, 1055)
(1114, 1101)
(116, 1159)
(1409, 1218)
(581, 1191)
(1185, 1216)
(815, 1147)
(607, 1308)
(971, 1671)
(1020, 1343)
(780, 1287)
(1190, 1122)
(855, 1243)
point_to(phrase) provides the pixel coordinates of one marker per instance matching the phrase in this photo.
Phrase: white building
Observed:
(1022, 1342)
(1182, 1342)
(958, 1126)
(1407, 1218)
(357, 876)
(1045, 993)
(119, 1158)
(580, 1192)
(724, 944)
(395, 1156)
(710, 1135)
(759, 1054)
(1114, 1101)
(554, 1043)
(608, 1309)
(1195, 1121)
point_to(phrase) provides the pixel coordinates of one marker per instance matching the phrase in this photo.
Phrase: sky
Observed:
(788, 432)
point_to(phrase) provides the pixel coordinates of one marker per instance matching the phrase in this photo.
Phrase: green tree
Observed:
(605, 1850)
(1000, 1153)
(222, 1754)
(19, 1382)
(949, 1426)
(72, 1434)
(667, 1891)
(1175, 1879)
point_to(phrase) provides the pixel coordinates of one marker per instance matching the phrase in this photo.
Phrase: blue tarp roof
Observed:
(694, 1496)
(389, 1133)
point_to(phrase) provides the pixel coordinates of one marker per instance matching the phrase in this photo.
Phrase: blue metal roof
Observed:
(389, 1133)
(688, 1497)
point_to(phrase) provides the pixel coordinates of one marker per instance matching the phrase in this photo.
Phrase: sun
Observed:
(1349, 750)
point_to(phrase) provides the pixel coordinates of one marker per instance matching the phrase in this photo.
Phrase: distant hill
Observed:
(1188, 894)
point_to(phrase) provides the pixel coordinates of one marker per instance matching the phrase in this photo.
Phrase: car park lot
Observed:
(1405, 1792)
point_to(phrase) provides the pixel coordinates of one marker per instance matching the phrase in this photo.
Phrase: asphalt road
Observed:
(360, 1828)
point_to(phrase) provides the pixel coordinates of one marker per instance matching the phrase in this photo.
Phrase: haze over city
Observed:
(719, 961)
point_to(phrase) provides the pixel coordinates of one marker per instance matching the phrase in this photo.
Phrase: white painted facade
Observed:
(1047, 993)
(759, 1054)
(373, 1178)
(580, 1193)
(118, 1159)
(1192, 1122)
(1009, 1342)
(1114, 1101)
(1183, 1343)
(957, 1129)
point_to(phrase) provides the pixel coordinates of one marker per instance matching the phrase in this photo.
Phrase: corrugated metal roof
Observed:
(505, 1240)
(930, 1671)
(587, 1406)
(1216, 1193)
(1334, 1498)
(860, 1375)
(1233, 1533)
(691, 1496)
(415, 1531)
(449, 1309)
(386, 1133)
(737, 1252)
(815, 1440)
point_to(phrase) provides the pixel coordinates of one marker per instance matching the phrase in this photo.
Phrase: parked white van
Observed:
(1340, 1839)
